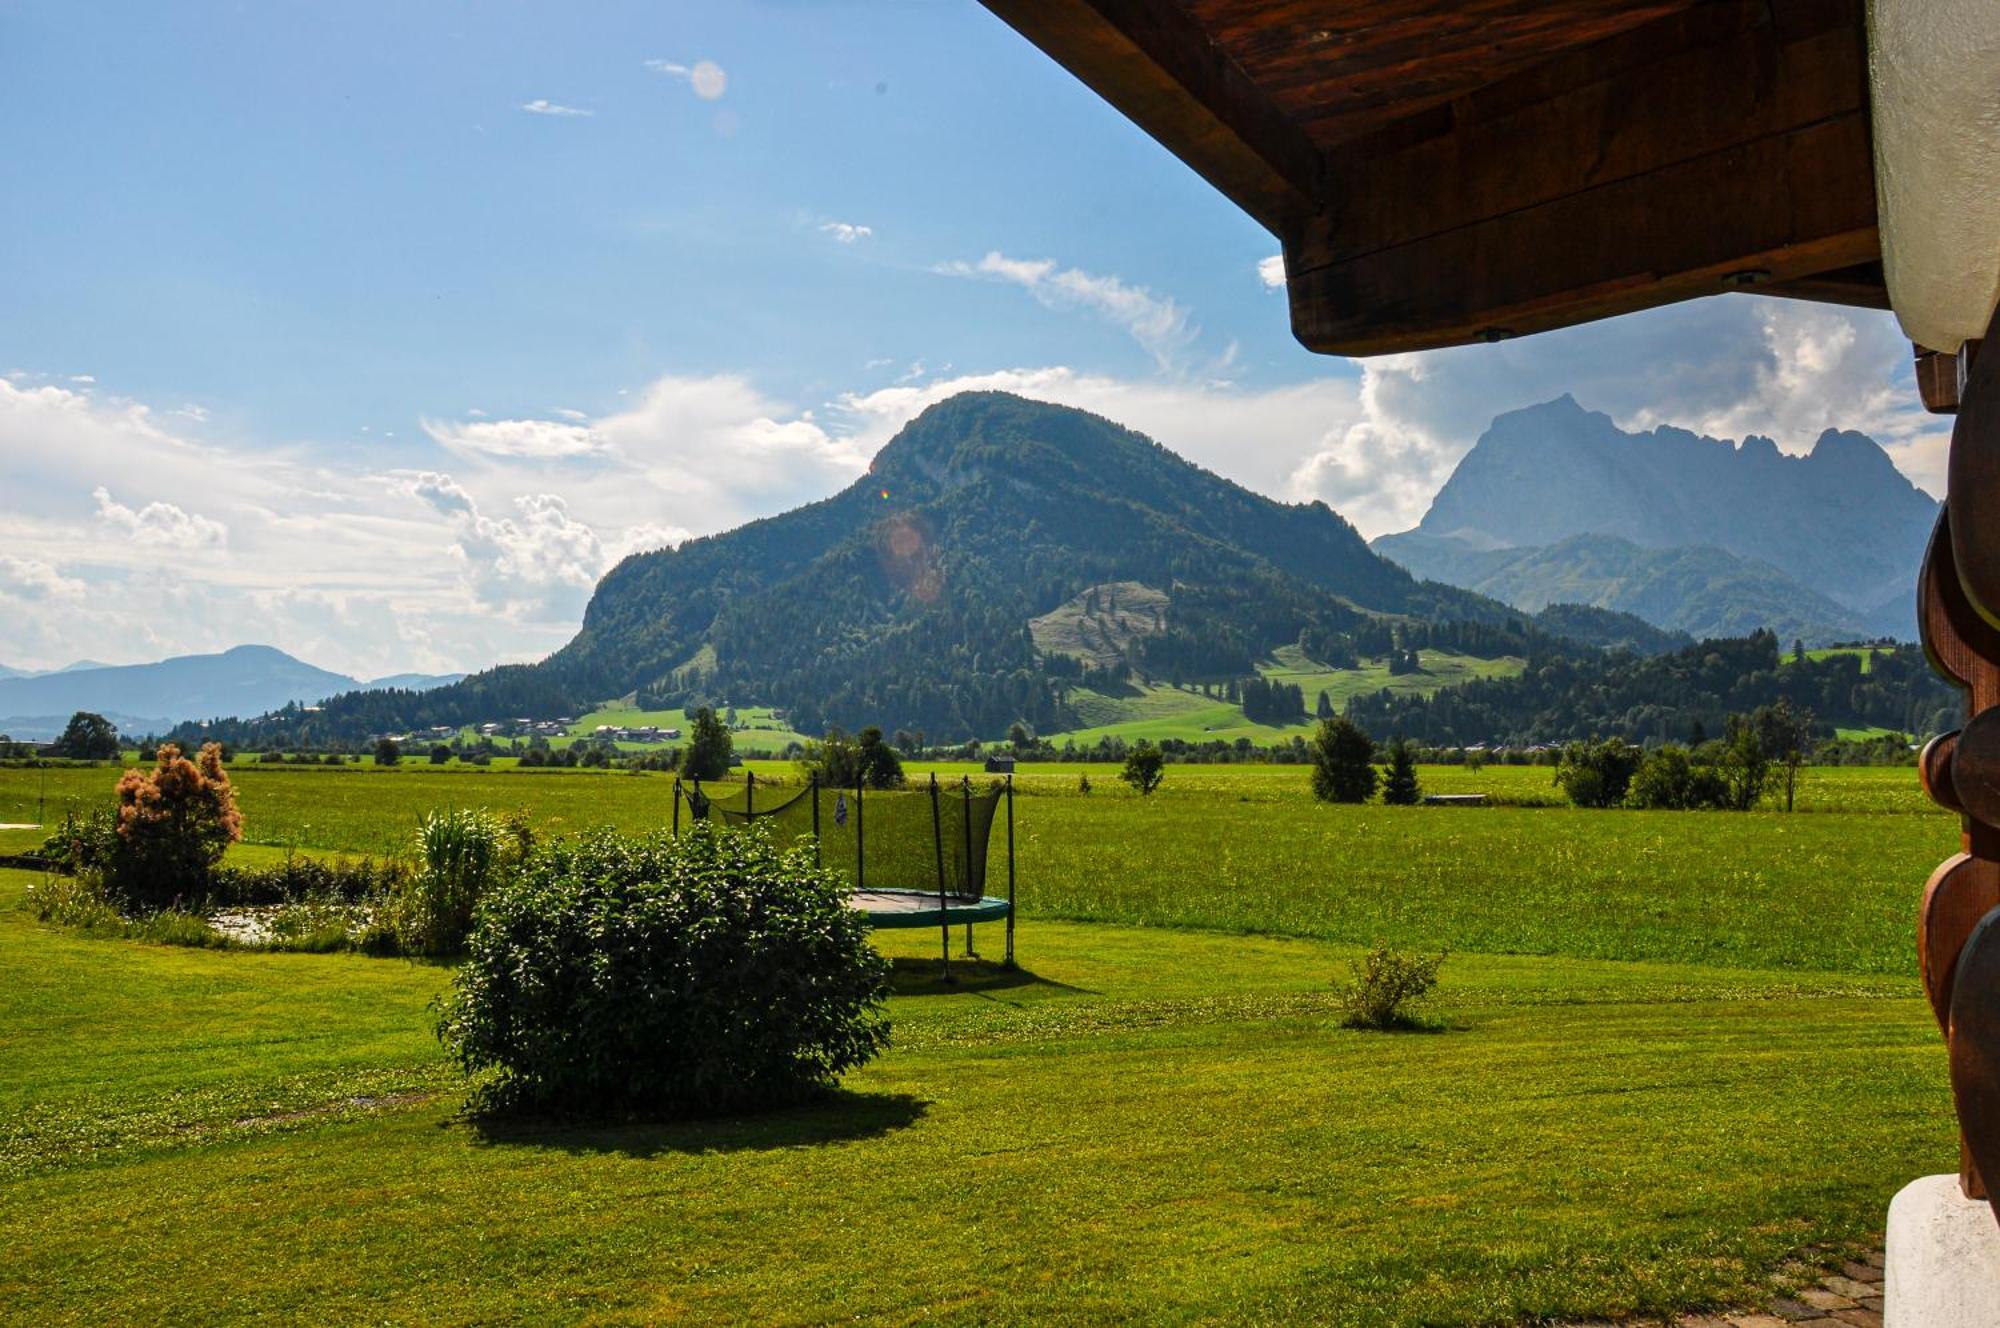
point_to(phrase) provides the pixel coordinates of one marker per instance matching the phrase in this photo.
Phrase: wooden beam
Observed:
(1152, 61)
(1722, 148)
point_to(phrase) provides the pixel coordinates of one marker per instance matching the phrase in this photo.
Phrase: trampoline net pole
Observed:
(967, 877)
(677, 807)
(814, 779)
(860, 843)
(750, 793)
(937, 839)
(1009, 961)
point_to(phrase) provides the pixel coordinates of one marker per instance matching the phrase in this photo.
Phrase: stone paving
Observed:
(1850, 1298)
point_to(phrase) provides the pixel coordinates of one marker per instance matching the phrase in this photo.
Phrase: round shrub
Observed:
(618, 974)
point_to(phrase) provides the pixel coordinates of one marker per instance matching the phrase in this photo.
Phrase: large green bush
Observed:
(1598, 773)
(619, 974)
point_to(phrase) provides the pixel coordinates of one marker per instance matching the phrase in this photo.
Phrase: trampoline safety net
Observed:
(879, 839)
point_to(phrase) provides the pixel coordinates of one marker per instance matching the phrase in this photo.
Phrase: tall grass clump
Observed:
(619, 975)
(461, 854)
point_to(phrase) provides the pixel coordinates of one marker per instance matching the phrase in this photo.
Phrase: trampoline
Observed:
(912, 857)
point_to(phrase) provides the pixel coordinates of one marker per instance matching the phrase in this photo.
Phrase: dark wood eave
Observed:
(1447, 171)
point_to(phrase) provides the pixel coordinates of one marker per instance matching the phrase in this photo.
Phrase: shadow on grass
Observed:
(924, 977)
(839, 1117)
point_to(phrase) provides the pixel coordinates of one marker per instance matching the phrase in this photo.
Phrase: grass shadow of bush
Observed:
(923, 977)
(838, 1116)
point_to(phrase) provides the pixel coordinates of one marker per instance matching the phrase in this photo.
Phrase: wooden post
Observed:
(1958, 616)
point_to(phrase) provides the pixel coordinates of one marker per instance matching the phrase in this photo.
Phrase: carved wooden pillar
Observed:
(1958, 926)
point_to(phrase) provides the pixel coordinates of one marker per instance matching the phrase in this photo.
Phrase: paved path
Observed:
(1850, 1298)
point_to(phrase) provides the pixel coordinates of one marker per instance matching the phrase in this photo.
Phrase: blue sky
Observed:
(378, 332)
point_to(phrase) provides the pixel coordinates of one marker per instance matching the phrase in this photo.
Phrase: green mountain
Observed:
(915, 598)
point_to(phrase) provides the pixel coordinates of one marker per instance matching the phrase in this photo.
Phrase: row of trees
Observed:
(1759, 753)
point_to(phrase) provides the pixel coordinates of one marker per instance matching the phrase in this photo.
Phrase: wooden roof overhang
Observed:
(1450, 171)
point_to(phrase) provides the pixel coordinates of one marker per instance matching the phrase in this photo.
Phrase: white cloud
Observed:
(33, 579)
(846, 232)
(543, 106)
(189, 411)
(1271, 271)
(539, 564)
(1156, 322)
(705, 77)
(516, 438)
(160, 524)
(85, 379)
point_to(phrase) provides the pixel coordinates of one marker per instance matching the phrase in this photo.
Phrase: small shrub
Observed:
(83, 844)
(1385, 982)
(1669, 779)
(1083, 783)
(173, 827)
(713, 972)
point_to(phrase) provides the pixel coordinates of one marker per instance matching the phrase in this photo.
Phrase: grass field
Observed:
(760, 731)
(1647, 1016)
(1160, 712)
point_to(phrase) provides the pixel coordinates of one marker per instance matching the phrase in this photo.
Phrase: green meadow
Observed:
(1644, 1027)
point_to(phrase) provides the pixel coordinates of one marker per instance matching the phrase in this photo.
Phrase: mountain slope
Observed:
(907, 598)
(1698, 590)
(1842, 520)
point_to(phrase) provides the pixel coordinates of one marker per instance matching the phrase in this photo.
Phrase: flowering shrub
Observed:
(174, 824)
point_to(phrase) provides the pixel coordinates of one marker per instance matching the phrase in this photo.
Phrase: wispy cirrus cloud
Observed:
(846, 232)
(1160, 324)
(543, 106)
(706, 78)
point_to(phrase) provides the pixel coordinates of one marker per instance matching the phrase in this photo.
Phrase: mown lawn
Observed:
(1155, 1125)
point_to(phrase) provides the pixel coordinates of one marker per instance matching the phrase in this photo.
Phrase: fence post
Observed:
(944, 909)
(1008, 962)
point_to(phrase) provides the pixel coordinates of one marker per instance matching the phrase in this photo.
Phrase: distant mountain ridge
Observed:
(910, 598)
(1712, 537)
(152, 698)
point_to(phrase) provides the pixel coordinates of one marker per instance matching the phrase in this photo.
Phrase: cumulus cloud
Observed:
(33, 579)
(543, 106)
(705, 77)
(160, 524)
(1158, 323)
(539, 563)
(1271, 271)
(846, 232)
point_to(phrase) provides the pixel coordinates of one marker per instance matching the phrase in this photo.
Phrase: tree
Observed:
(709, 747)
(1145, 767)
(1343, 758)
(440, 754)
(1018, 735)
(879, 764)
(88, 737)
(1745, 765)
(1399, 785)
(1785, 734)
(1324, 710)
(1598, 773)
(387, 752)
